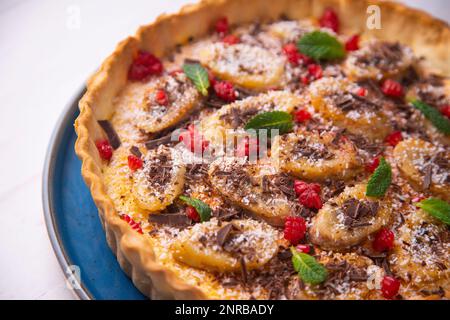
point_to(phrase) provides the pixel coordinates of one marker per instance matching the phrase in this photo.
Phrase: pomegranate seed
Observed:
(161, 97)
(362, 92)
(192, 214)
(144, 65)
(392, 88)
(370, 167)
(303, 248)
(302, 115)
(104, 149)
(445, 110)
(225, 91)
(315, 71)
(291, 52)
(394, 138)
(134, 163)
(329, 20)
(384, 240)
(304, 80)
(389, 287)
(294, 229)
(248, 146)
(231, 39)
(352, 44)
(222, 26)
(133, 224)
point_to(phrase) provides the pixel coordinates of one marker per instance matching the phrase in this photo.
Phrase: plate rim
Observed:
(64, 261)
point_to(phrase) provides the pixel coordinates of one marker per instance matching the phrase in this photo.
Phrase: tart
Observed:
(347, 199)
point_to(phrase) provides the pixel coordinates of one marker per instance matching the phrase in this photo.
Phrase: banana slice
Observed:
(155, 113)
(422, 252)
(254, 187)
(160, 180)
(289, 31)
(222, 248)
(377, 60)
(314, 156)
(349, 219)
(426, 166)
(336, 101)
(247, 66)
(233, 117)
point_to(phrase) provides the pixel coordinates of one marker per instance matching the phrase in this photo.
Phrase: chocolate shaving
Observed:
(135, 151)
(440, 292)
(191, 61)
(113, 138)
(244, 271)
(224, 234)
(427, 177)
(355, 210)
(151, 144)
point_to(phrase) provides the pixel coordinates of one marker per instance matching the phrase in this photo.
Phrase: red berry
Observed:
(302, 115)
(231, 39)
(225, 91)
(370, 167)
(211, 78)
(392, 88)
(384, 240)
(329, 20)
(193, 140)
(294, 229)
(192, 214)
(301, 186)
(445, 110)
(144, 65)
(394, 138)
(389, 287)
(315, 71)
(104, 149)
(161, 97)
(304, 80)
(294, 56)
(352, 44)
(134, 163)
(248, 146)
(362, 92)
(303, 248)
(310, 199)
(222, 26)
(134, 225)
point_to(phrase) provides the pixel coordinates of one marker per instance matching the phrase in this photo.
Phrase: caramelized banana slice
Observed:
(225, 248)
(248, 66)
(289, 31)
(377, 60)
(426, 166)
(336, 101)
(235, 116)
(314, 156)
(349, 219)
(160, 180)
(159, 111)
(254, 187)
(422, 253)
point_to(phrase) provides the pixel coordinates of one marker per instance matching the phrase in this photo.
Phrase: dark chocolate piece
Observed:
(113, 138)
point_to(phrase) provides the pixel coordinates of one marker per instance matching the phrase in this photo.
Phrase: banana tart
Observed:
(275, 150)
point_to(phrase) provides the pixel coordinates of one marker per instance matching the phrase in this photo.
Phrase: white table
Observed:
(48, 49)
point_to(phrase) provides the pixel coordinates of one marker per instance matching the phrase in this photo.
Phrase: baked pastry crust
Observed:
(135, 254)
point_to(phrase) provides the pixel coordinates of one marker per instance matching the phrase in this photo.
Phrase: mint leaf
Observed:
(437, 119)
(437, 208)
(198, 75)
(380, 180)
(271, 120)
(309, 270)
(204, 211)
(321, 46)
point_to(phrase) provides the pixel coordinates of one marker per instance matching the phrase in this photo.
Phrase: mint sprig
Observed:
(204, 211)
(309, 270)
(437, 119)
(437, 208)
(380, 180)
(272, 120)
(198, 75)
(321, 46)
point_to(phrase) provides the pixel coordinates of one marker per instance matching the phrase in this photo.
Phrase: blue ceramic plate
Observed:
(72, 219)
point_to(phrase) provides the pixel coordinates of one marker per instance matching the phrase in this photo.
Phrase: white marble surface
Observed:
(46, 54)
